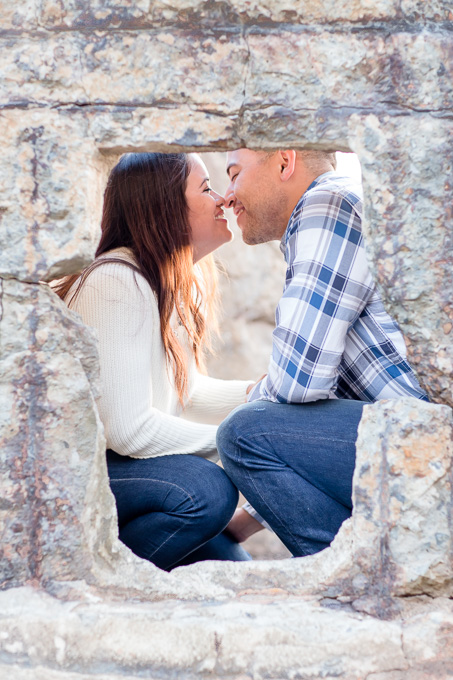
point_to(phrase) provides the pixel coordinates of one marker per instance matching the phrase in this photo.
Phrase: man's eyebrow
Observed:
(206, 179)
(231, 165)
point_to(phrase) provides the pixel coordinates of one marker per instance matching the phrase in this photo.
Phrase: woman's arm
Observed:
(137, 405)
(212, 399)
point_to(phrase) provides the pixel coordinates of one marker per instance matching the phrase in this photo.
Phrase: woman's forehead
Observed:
(198, 169)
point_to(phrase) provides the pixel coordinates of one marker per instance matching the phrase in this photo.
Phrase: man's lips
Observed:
(238, 211)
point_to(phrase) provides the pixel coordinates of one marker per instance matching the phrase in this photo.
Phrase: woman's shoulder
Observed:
(114, 275)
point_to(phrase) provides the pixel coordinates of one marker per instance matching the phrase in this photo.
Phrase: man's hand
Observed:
(242, 525)
(250, 387)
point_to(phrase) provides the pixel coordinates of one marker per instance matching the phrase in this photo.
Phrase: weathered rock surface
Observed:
(51, 185)
(49, 433)
(260, 637)
(85, 80)
(403, 510)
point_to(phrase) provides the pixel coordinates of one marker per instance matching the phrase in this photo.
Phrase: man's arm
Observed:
(328, 285)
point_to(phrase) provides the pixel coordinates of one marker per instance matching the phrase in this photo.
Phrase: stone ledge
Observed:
(248, 637)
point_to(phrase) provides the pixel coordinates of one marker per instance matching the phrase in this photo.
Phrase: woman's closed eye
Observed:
(208, 188)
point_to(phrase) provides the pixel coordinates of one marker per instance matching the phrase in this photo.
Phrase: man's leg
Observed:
(294, 464)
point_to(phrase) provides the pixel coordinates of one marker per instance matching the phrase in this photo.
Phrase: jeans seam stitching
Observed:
(152, 479)
(166, 540)
(311, 439)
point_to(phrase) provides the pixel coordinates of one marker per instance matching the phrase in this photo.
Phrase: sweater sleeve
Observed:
(212, 399)
(120, 305)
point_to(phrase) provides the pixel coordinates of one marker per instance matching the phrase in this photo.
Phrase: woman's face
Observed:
(206, 217)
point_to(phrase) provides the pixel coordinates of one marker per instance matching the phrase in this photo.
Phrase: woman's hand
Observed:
(242, 525)
(250, 387)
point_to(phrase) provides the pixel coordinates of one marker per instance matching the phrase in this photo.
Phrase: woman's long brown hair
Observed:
(145, 209)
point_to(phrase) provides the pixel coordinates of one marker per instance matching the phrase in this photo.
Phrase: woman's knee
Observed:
(211, 497)
(222, 496)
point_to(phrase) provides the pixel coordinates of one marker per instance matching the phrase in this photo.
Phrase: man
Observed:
(291, 448)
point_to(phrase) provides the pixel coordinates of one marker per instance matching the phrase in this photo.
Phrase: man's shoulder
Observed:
(331, 185)
(328, 196)
(330, 199)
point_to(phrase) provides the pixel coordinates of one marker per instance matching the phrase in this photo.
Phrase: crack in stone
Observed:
(264, 26)
(397, 110)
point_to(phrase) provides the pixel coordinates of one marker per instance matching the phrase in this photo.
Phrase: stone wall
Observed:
(84, 80)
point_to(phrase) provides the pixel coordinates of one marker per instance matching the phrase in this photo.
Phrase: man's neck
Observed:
(304, 180)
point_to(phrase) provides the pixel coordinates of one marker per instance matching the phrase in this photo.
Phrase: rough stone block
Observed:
(51, 183)
(49, 431)
(258, 638)
(296, 69)
(147, 68)
(402, 519)
(408, 174)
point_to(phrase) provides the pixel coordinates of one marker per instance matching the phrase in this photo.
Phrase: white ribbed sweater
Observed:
(138, 404)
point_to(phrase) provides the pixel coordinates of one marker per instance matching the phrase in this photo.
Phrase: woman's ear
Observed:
(287, 164)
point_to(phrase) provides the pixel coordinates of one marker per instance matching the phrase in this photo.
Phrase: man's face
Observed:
(257, 195)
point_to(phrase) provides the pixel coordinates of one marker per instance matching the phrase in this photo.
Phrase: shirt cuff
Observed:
(251, 511)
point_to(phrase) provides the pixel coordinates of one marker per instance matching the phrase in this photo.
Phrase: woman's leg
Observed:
(169, 506)
(294, 464)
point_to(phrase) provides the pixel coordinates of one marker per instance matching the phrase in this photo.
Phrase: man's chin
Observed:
(251, 239)
(250, 236)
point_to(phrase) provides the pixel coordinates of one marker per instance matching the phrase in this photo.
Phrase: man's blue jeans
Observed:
(294, 464)
(172, 510)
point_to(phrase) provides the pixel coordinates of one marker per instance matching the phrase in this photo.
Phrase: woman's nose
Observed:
(219, 199)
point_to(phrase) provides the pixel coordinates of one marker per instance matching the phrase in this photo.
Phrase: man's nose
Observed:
(230, 198)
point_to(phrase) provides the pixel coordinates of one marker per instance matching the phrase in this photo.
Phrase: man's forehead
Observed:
(240, 157)
(235, 155)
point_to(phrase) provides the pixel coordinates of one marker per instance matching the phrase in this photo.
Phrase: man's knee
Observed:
(226, 435)
(233, 433)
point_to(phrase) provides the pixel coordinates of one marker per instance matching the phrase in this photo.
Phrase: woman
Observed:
(148, 294)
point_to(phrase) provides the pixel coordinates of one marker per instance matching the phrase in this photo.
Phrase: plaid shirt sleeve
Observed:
(328, 283)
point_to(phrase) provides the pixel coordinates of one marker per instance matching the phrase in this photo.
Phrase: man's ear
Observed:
(287, 161)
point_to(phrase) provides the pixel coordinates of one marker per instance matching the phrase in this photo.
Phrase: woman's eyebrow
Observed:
(206, 179)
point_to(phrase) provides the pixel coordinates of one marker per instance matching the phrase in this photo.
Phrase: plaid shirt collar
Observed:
(316, 181)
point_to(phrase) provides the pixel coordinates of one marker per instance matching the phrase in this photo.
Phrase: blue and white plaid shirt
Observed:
(333, 338)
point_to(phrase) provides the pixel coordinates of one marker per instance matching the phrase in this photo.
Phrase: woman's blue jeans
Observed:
(172, 510)
(294, 464)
